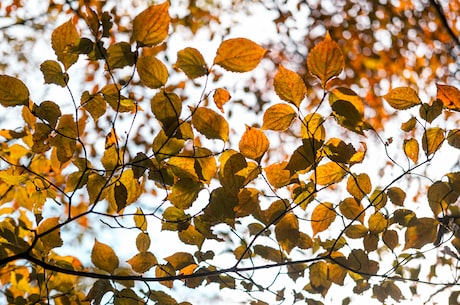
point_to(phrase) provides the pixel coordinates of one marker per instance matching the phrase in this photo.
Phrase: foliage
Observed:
(315, 194)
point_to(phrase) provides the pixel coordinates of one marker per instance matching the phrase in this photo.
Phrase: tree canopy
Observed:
(137, 166)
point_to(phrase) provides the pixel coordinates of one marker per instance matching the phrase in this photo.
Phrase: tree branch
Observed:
(445, 23)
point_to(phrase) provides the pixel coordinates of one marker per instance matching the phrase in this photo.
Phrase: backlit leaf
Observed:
(277, 175)
(65, 40)
(142, 242)
(325, 60)
(191, 62)
(440, 195)
(329, 173)
(103, 257)
(346, 94)
(13, 92)
(151, 26)
(53, 74)
(402, 98)
(65, 141)
(221, 96)
(432, 140)
(52, 239)
(411, 149)
(378, 198)
(174, 219)
(356, 231)
(239, 55)
(338, 151)
(349, 117)
(152, 72)
(312, 127)
(248, 203)
(142, 262)
(184, 192)
(94, 104)
(289, 86)
(269, 253)
(352, 209)
(191, 236)
(287, 232)
(421, 233)
(322, 217)
(254, 143)
(359, 185)
(319, 277)
(140, 220)
(431, 112)
(183, 167)
(211, 124)
(48, 111)
(119, 55)
(180, 260)
(377, 223)
(449, 96)
(453, 138)
(231, 163)
(278, 117)
(396, 195)
(409, 125)
(167, 107)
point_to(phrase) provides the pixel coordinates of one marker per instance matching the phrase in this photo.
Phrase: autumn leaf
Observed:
(325, 60)
(352, 209)
(396, 195)
(377, 223)
(411, 149)
(254, 143)
(287, 232)
(51, 236)
(13, 92)
(221, 96)
(359, 185)
(210, 123)
(65, 40)
(53, 73)
(151, 26)
(432, 140)
(421, 233)
(278, 117)
(191, 62)
(140, 220)
(289, 86)
(322, 217)
(402, 98)
(152, 72)
(120, 55)
(277, 174)
(329, 173)
(103, 257)
(142, 262)
(48, 111)
(239, 55)
(449, 96)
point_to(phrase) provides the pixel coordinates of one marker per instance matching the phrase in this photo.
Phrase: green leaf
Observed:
(13, 92)
(191, 62)
(53, 73)
(151, 26)
(210, 124)
(103, 257)
(65, 41)
(152, 72)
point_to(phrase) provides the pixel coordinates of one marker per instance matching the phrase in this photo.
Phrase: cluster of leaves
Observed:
(313, 213)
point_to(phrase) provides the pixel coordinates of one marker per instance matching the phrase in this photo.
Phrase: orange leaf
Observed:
(325, 60)
(151, 26)
(329, 173)
(432, 140)
(191, 62)
(450, 96)
(359, 185)
(289, 86)
(287, 232)
(211, 124)
(51, 239)
(103, 257)
(411, 149)
(277, 175)
(352, 209)
(253, 143)
(239, 55)
(278, 117)
(322, 217)
(402, 98)
(65, 40)
(142, 262)
(221, 96)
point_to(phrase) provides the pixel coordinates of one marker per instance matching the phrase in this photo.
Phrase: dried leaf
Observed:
(449, 96)
(221, 96)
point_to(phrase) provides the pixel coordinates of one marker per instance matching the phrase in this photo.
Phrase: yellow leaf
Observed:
(119, 55)
(180, 260)
(287, 232)
(165, 147)
(53, 74)
(378, 199)
(140, 220)
(356, 231)
(94, 104)
(65, 140)
(322, 217)
(152, 72)
(205, 164)
(191, 236)
(118, 102)
(142, 262)
(52, 239)
(289, 86)
(239, 55)
(422, 233)
(191, 62)
(352, 209)
(377, 223)
(142, 242)
(409, 124)
(450, 96)
(13, 179)
(221, 96)
(183, 167)
(231, 163)
(151, 26)
(254, 143)
(248, 203)
(211, 124)
(103, 257)
(277, 175)
(359, 185)
(65, 41)
(48, 111)
(319, 277)
(184, 192)
(312, 127)
(402, 98)
(329, 173)
(411, 149)
(278, 117)
(325, 60)
(440, 196)
(345, 94)
(432, 140)
(13, 92)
